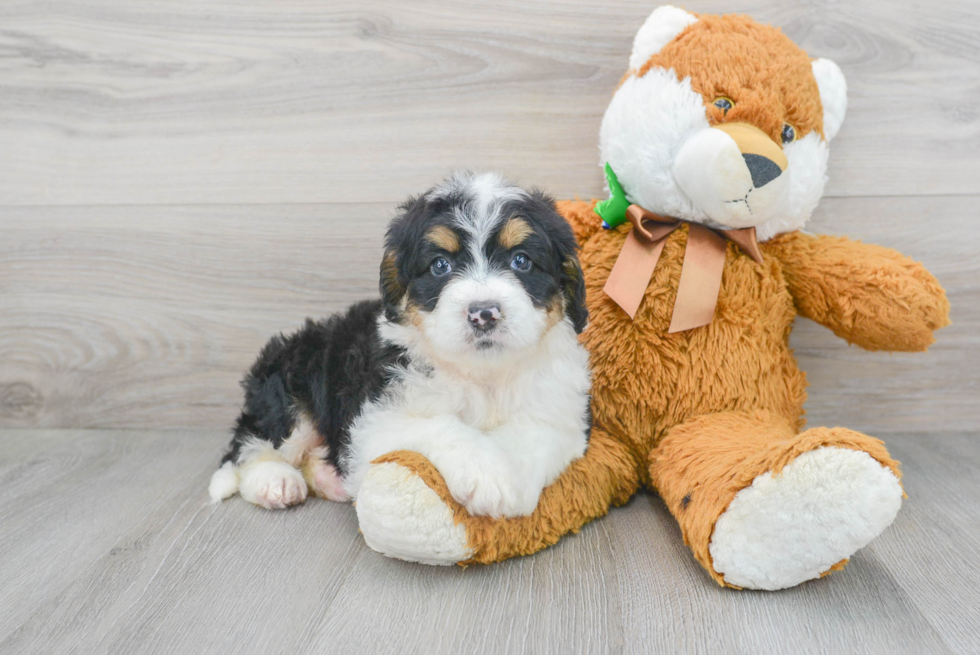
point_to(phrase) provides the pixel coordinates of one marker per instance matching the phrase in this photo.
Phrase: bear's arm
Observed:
(869, 295)
(580, 216)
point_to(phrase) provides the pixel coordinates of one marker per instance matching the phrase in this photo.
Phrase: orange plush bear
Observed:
(715, 147)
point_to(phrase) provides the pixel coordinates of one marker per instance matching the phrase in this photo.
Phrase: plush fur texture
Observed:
(703, 415)
(775, 533)
(659, 29)
(471, 357)
(418, 514)
(657, 131)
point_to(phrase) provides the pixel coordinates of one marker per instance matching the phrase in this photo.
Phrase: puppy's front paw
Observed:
(272, 485)
(486, 488)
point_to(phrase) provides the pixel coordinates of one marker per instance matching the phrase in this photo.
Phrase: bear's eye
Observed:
(788, 134)
(724, 104)
(440, 266)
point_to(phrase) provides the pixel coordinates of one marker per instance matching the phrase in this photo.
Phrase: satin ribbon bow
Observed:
(704, 260)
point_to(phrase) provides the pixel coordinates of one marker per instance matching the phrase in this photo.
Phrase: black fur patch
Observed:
(552, 248)
(326, 370)
(406, 244)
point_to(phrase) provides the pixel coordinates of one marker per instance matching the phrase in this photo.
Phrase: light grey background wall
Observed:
(180, 180)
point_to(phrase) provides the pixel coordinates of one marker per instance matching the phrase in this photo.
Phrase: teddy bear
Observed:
(715, 150)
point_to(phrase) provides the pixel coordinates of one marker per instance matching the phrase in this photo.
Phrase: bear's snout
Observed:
(734, 173)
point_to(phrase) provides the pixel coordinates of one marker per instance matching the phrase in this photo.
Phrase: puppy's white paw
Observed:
(272, 485)
(325, 481)
(487, 488)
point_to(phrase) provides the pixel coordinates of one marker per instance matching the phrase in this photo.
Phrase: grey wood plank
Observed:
(929, 392)
(181, 576)
(146, 317)
(108, 102)
(67, 498)
(560, 600)
(187, 576)
(934, 544)
(671, 605)
(116, 315)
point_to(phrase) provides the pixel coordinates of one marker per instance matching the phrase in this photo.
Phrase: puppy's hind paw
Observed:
(272, 485)
(325, 481)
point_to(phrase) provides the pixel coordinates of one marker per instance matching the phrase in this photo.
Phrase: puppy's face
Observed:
(477, 271)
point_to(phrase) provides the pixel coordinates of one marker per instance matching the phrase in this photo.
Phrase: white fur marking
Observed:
(499, 415)
(786, 529)
(497, 433)
(301, 441)
(224, 483)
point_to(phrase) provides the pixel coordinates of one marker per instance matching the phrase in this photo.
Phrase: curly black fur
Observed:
(326, 370)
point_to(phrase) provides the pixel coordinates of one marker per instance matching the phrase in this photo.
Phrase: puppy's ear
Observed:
(403, 231)
(391, 286)
(563, 240)
(573, 286)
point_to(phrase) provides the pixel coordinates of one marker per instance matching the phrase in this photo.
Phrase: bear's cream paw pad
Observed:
(788, 528)
(401, 517)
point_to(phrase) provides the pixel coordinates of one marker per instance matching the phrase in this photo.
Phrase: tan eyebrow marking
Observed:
(444, 238)
(514, 232)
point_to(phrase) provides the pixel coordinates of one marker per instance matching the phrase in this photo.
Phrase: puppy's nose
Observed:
(484, 315)
(762, 169)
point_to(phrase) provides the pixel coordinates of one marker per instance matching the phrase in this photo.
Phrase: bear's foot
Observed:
(402, 517)
(797, 525)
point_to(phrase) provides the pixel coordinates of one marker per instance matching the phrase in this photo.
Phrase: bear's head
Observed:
(723, 121)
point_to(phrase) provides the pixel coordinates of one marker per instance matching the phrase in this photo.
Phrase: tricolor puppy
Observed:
(471, 358)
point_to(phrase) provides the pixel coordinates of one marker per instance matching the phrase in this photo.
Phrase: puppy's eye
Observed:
(724, 104)
(520, 262)
(440, 266)
(788, 134)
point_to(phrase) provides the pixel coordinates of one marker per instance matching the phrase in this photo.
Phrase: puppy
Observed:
(471, 358)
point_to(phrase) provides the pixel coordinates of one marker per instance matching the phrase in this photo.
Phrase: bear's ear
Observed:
(660, 28)
(833, 95)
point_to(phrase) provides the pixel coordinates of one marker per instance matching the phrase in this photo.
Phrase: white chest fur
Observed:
(549, 384)
(498, 435)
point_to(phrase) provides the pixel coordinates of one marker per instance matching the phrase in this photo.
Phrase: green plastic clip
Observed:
(612, 211)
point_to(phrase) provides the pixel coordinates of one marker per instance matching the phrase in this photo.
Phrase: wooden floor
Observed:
(108, 545)
(180, 180)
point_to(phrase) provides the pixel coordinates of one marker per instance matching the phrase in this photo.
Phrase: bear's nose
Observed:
(483, 316)
(762, 169)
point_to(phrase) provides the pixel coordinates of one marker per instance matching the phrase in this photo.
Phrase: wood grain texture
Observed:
(161, 102)
(109, 546)
(179, 181)
(146, 317)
